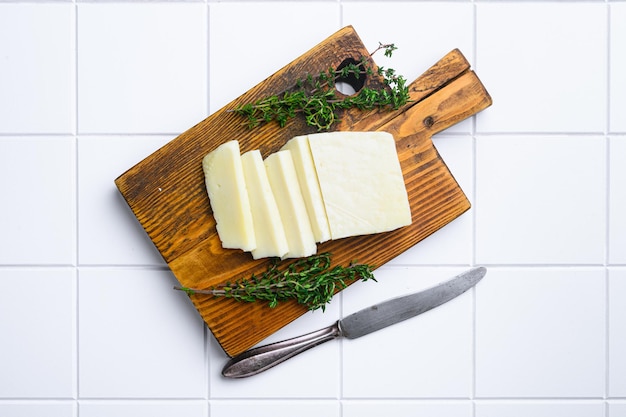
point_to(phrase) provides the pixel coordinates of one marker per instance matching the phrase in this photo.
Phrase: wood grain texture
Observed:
(166, 190)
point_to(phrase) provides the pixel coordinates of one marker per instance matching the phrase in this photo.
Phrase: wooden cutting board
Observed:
(166, 190)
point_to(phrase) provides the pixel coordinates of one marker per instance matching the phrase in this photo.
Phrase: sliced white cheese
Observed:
(268, 227)
(224, 179)
(286, 189)
(307, 178)
(361, 182)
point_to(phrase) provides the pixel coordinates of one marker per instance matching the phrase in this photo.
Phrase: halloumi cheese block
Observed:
(361, 182)
(226, 187)
(286, 189)
(268, 227)
(307, 178)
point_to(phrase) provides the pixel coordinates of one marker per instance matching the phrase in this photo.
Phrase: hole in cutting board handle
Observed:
(350, 84)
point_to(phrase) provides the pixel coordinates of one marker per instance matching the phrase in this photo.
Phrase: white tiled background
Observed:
(89, 324)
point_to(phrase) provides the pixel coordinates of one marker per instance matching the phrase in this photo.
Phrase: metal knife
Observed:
(368, 320)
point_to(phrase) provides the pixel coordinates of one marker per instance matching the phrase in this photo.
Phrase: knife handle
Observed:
(257, 360)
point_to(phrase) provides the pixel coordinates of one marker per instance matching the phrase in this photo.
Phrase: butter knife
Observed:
(368, 320)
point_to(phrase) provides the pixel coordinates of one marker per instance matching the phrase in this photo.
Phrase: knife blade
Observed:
(361, 323)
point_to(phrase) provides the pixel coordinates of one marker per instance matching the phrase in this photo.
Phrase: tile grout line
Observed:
(607, 361)
(77, 225)
(209, 8)
(607, 199)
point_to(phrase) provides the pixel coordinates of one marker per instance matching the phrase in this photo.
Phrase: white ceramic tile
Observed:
(418, 49)
(245, 49)
(134, 408)
(452, 243)
(536, 409)
(302, 408)
(109, 232)
(542, 76)
(40, 408)
(37, 77)
(617, 201)
(377, 408)
(617, 409)
(138, 337)
(541, 333)
(540, 199)
(617, 81)
(37, 325)
(427, 356)
(320, 365)
(141, 67)
(37, 179)
(617, 332)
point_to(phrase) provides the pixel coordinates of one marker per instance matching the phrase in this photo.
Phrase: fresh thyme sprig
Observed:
(316, 97)
(310, 281)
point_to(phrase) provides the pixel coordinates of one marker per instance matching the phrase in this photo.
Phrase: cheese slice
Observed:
(286, 189)
(361, 182)
(311, 193)
(225, 184)
(268, 227)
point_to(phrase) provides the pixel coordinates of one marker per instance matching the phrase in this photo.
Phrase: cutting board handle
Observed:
(461, 98)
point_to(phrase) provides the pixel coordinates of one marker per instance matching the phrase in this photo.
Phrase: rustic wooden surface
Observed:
(166, 190)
